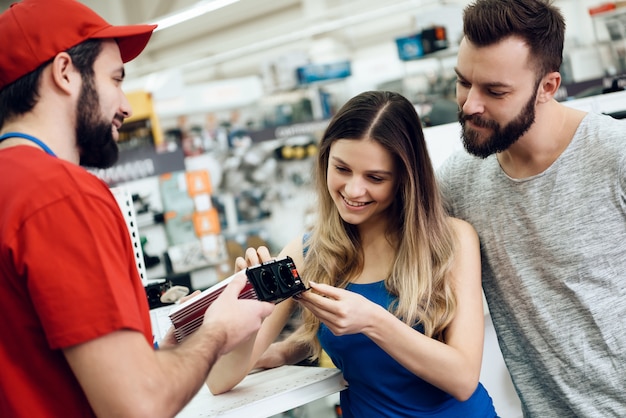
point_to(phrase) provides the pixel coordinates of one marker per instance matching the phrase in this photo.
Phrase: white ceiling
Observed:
(235, 40)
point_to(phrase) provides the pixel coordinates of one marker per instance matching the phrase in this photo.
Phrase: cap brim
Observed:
(131, 39)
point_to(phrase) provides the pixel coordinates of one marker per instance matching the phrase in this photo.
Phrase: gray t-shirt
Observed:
(554, 269)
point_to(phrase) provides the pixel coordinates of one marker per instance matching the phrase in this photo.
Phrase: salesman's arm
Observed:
(122, 375)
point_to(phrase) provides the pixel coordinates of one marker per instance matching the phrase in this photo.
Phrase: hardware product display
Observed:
(272, 281)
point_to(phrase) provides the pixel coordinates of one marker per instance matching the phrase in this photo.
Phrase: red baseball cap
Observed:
(32, 32)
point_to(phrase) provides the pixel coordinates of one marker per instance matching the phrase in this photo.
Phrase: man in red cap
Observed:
(76, 334)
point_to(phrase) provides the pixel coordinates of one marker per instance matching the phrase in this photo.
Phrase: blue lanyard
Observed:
(29, 138)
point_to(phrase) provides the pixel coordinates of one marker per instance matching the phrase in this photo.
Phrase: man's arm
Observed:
(122, 375)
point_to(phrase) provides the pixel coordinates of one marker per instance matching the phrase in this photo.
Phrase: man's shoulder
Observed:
(601, 122)
(41, 179)
(460, 163)
(604, 134)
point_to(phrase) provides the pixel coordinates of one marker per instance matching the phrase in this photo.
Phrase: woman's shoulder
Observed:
(460, 225)
(466, 252)
(463, 230)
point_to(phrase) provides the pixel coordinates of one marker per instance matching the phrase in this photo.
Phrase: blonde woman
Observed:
(396, 297)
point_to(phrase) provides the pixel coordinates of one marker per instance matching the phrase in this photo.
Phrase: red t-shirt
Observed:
(67, 276)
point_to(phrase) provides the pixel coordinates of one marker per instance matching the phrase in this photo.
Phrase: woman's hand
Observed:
(342, 311)
(252, 257)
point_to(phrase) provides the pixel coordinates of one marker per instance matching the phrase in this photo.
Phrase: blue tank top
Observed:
(380, 387)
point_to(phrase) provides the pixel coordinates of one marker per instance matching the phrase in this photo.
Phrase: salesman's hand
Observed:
(237, 318)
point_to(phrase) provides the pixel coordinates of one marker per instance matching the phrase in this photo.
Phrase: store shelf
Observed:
(611, 103)
(267, 393)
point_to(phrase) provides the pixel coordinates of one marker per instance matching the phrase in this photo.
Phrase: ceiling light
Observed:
(200, 8)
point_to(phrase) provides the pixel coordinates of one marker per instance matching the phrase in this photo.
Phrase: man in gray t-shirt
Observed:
(545, 187)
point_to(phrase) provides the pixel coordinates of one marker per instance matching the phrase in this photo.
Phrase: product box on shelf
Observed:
(192, 223)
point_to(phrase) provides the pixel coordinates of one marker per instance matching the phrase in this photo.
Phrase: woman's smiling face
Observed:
(360, 179)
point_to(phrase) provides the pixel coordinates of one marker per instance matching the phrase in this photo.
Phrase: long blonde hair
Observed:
(418, 226)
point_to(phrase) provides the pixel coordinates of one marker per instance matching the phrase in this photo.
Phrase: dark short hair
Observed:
(540, 24)
(22, 95)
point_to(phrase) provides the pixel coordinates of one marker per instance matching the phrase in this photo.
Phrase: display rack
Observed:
(125, 202)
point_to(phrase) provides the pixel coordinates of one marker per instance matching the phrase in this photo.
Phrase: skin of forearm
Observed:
(187, 365)
(233, 367)
(439, 364)
(290, 350)
(229, 370)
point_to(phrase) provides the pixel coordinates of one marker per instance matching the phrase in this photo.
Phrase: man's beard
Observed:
(502, 138)
(94, 135)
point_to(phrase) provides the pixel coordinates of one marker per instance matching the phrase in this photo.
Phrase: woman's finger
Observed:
(327, 290)
(240, 264)
(321, 313)
(252, 257)
(321, 306)
(264, 253)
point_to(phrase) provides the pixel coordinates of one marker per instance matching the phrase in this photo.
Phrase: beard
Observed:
(502, 137)
(94, 135)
